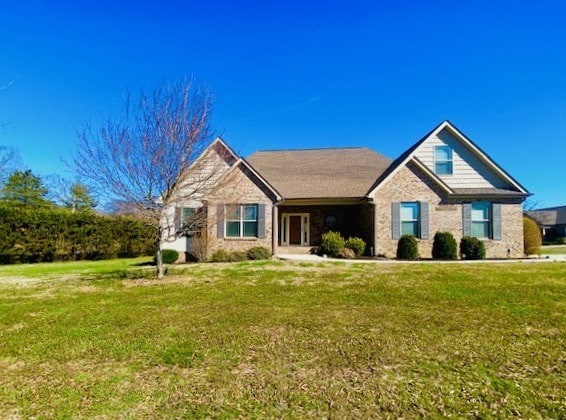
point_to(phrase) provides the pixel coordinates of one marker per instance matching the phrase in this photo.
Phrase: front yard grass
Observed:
(553, 250)
(282, 339)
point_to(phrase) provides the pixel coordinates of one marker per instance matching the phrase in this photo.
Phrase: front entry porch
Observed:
(300, 227)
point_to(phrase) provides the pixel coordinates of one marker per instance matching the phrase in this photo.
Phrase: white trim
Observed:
(305, 229)
(432, 175)
(241, 220)
(435, 161)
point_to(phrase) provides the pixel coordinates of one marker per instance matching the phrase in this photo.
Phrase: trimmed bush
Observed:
(444, 246)
(331, 243)
(259, 253)
(408, 248)
(531, 236)
(357, 245)
(170, 256)
(346, 253)
(29, 235)
(238, 256)
(220, 256)
(472, 248)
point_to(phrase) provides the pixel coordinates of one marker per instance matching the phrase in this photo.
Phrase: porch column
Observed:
(274, 228)
(374, 229)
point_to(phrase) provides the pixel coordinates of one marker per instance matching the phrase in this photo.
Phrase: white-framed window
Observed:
(189, 222)
(481, 219)
(187, 213)
(443, 164)
(241, 220)
(410, 218)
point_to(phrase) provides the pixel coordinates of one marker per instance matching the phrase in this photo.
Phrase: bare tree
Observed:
(8, 159)
(69, 193)
(148, 157)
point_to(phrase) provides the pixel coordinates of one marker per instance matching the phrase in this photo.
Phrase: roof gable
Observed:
(474, 171)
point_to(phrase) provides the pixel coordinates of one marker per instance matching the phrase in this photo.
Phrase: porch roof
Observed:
(320, 173)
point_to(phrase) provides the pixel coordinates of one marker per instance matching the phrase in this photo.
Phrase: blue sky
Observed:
(299, 74)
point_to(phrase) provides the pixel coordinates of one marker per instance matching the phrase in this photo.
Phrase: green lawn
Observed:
(553, 250)
(281, 339)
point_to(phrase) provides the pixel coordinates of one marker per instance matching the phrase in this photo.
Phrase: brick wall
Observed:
(410, 184)
(241, 187)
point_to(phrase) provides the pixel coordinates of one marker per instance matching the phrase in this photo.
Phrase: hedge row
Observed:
(44, 235)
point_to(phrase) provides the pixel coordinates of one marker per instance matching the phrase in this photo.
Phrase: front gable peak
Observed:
(452, 160)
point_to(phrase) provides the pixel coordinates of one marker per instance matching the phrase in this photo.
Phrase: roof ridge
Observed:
(313, 148)
(549, 208)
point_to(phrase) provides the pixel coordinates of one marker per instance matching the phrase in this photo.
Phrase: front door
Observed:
(295, 228)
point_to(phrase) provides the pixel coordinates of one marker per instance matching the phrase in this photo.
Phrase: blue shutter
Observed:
(261, 220)
(423, 228)
(220, 221)
(467, 219)
(396, 220)
(496, 224)
(177, 220)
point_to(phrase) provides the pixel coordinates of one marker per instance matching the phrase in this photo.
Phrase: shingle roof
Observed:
(550, 216)
(487, 191)
(320, 173)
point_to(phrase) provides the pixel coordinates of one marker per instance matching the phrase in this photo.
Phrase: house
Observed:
(552, 220)
(286, 200)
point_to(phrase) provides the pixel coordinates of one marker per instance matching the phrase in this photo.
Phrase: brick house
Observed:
(286, 199)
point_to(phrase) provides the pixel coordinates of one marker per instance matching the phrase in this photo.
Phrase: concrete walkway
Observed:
(318, 258)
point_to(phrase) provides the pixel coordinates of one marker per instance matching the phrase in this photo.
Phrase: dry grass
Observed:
(274, 339)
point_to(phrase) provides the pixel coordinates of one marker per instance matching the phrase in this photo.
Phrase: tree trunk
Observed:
(159, 263)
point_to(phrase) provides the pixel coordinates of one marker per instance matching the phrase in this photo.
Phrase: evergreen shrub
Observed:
(531, 237)
(408, 248)
(220, 256)
(444, 246)
(331, 243)
(259, 253)
(357, 245)
(169, 256)
(471, 248)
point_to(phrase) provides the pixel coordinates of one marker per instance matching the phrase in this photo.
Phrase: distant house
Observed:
(286, 200)
(552, 220)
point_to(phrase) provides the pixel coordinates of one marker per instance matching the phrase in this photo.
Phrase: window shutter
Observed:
(467, 219)
(396, 220)
(177, 220)
(424, 219)
(496, 214)
(261, 220)
(220, 221)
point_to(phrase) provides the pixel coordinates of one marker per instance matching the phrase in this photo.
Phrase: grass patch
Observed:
(283, 339)
(553, 250)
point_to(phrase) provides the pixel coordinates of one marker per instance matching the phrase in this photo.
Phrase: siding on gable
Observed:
(468, 170)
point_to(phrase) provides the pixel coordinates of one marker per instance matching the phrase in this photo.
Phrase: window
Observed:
(481, 220)
(330, 221)
(443, 160)
(187, 213)
(189, 222)
(410, 215)
(241, 220)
